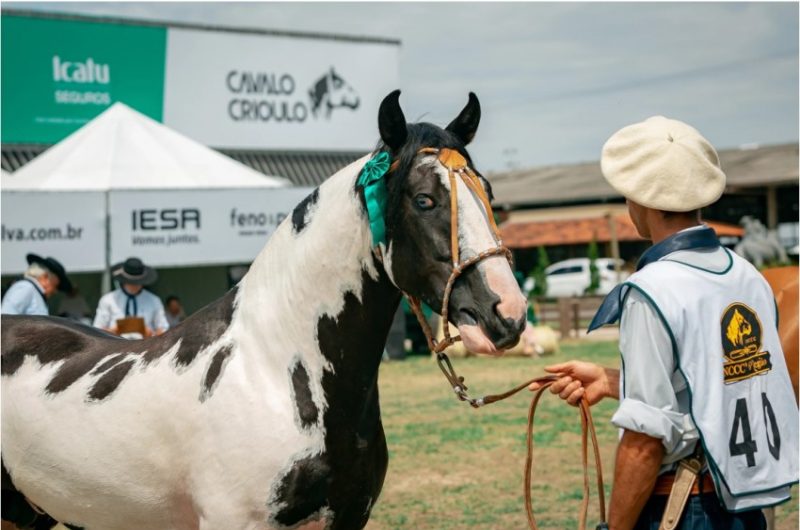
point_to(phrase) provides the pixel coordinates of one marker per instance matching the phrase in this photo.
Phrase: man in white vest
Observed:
(703, 384)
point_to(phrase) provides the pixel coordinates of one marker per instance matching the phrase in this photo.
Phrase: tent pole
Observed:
(105, 284)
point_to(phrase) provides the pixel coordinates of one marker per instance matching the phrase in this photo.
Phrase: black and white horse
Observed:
(261, 410)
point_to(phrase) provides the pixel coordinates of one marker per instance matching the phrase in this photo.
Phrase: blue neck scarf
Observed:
(611, 308)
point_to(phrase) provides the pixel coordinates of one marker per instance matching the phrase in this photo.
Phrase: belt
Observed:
(703, 483)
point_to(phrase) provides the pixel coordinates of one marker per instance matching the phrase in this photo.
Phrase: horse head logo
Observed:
(332, 91)
(738, 329)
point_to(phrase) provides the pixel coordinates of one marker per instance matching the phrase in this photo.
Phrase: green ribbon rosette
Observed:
(371, 179)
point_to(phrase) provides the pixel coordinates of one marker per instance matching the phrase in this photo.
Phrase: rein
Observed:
(457, 166)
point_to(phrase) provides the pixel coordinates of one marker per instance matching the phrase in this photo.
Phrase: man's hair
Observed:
(694, 214)
(36, 271)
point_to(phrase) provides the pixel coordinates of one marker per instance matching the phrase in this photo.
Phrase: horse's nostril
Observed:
(496, 310)
(515, 327)
(509, 319)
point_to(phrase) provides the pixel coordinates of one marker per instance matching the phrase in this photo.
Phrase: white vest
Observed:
(724, 334)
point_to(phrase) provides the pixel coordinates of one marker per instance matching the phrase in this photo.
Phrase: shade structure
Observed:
(529, 234)
(126, 185)
(123, 149)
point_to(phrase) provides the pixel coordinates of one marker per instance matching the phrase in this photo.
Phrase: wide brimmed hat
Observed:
(663, 164)
(133, 271)
(53, 266)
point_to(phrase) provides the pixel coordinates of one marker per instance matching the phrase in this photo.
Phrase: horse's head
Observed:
(485, 302)
(340, 93)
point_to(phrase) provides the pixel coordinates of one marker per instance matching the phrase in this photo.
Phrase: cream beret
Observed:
(663, 164)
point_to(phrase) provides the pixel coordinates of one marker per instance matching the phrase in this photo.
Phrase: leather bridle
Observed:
(457, 167)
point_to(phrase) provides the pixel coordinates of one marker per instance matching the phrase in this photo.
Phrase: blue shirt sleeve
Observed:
(22, 298)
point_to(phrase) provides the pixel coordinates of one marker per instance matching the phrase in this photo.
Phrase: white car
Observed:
(571, 277)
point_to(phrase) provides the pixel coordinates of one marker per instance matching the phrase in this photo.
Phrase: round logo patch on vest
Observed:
(741, 344)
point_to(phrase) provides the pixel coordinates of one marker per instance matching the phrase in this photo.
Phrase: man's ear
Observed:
(392, 122)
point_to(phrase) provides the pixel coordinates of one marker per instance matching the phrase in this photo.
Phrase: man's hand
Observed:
(577, 379)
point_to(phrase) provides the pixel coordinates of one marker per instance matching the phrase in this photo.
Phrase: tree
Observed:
(594, 272)
(538, 274)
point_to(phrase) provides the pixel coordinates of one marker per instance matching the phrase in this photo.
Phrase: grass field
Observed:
(453, 467)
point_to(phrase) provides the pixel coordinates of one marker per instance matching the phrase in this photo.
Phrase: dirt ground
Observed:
(452, 467)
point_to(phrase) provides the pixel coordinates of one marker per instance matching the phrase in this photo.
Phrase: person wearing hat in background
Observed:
(175, 312)
(131, 300)
(42, 279)
(703, 384)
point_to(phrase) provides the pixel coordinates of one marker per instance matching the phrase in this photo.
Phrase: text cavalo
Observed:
(264, 96)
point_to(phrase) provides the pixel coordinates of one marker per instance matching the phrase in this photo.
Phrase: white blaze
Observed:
(475, 235)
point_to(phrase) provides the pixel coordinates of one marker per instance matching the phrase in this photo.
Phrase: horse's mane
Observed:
(419, 135)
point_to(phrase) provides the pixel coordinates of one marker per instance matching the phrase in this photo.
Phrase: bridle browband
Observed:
(457, 166)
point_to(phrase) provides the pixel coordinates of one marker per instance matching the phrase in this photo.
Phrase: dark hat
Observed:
(53, 266)
(133, 271)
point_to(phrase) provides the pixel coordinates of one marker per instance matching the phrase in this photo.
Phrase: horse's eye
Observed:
(424, 202)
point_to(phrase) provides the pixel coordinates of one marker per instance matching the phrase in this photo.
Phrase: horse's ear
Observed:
(465, 125)
(392, 122)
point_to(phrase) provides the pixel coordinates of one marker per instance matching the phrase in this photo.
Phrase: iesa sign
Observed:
(165, 222)
(197, 227)
(276, 92)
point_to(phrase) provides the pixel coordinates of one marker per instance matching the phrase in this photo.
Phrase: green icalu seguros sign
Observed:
(59, 74)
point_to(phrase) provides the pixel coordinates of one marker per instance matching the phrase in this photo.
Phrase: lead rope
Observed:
(456, 166)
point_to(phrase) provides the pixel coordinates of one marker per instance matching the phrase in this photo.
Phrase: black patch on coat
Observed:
(109, 381)
(84, 349)
(36, 335)
(348, 476)
(303, 491)
(306, 408)
(109, 363)
(300, 213)
(214, 371)
(198, 333)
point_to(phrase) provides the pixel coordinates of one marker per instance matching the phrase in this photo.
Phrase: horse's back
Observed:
(786, 287)
(23, 336)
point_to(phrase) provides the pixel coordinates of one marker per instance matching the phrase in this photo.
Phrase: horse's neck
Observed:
(318, 294)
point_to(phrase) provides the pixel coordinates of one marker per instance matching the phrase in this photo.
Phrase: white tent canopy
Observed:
(123, 149)
(126, 185)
